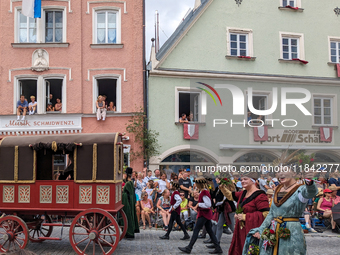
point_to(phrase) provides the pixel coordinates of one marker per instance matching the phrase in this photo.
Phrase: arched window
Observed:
(184, 160)
(323, 157)
(255, 158)
(187, 156)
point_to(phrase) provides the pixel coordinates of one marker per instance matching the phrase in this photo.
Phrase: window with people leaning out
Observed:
(188, 107)
(107, 97)
(259, 103)
(28, 103)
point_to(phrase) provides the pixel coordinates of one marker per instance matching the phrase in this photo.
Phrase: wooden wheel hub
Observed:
(93, 234)
(8, 236)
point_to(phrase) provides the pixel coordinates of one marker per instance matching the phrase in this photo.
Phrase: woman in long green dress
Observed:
(289, 202)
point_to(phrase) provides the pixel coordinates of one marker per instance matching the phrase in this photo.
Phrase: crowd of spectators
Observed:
(153, 197)
(23, 106)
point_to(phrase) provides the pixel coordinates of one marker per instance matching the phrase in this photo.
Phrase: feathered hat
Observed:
(286, 158)
(175, 184)
(200, 179)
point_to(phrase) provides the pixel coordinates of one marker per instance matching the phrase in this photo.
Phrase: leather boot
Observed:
(186, 237)
(185, 249)
(165, 237)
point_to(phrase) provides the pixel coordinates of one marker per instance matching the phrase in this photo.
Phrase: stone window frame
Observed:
(301, 43)
(244, 31)
(118, 25)
(333, 97)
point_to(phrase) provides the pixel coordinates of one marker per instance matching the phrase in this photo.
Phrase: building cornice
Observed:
(204, 74)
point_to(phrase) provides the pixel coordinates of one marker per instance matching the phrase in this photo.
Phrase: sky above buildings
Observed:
(171, 12)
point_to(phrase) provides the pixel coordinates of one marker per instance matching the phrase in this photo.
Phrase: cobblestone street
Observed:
(147, 242)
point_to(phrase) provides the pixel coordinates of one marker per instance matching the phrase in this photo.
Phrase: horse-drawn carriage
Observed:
(77, 176)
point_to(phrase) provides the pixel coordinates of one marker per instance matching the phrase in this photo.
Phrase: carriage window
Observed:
(27, 88)
(54, 166)
(108, 88)
(54, 89)
(189, 105)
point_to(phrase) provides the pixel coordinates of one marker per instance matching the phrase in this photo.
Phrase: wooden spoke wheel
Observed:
(13, 234)
(36, 229)
(93, 228)
(122, 222)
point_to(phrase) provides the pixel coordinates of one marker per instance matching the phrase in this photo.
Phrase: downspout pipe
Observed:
(145, 74)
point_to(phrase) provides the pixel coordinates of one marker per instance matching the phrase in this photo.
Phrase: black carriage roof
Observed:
(84, 139)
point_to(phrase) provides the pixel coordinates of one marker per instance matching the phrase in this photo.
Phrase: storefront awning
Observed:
(277, 147)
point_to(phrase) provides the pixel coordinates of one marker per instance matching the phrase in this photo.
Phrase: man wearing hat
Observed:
(175, 211)
(204, 217)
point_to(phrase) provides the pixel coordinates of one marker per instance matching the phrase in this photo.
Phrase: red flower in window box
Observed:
(312, 159)
(300, 161)
(272, 231)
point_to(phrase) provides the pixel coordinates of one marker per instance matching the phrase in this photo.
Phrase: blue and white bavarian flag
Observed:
(31, 8)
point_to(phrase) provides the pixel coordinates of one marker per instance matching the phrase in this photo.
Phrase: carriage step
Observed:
(50, 238)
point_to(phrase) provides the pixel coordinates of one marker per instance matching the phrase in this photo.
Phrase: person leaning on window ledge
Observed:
(101, 110)
(58, 106)
(191, 117)
(50, 108)
(183, 119)
(22, 106)
(111, 107)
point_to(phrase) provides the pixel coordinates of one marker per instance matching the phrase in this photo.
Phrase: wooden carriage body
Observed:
(31, 190)
(26, 174)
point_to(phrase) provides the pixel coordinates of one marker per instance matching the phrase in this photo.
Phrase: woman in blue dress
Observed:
(289, 202)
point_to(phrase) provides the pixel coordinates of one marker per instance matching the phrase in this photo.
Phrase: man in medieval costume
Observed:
(204, 217)
(129, 202)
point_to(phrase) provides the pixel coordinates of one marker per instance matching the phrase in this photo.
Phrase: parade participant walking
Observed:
(203, 218)
(226, 210)
(175, 211)
(289, 202)
(252, 208)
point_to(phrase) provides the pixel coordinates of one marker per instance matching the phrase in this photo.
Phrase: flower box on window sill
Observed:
(107, 46)
(241, 57)
(191, 122)
(289, 8)
(295, 61)
(40, 45)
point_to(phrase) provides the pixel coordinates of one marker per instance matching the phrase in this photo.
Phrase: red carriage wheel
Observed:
(13, 233)
(36, 229)
(122, 222)
(93, 228)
